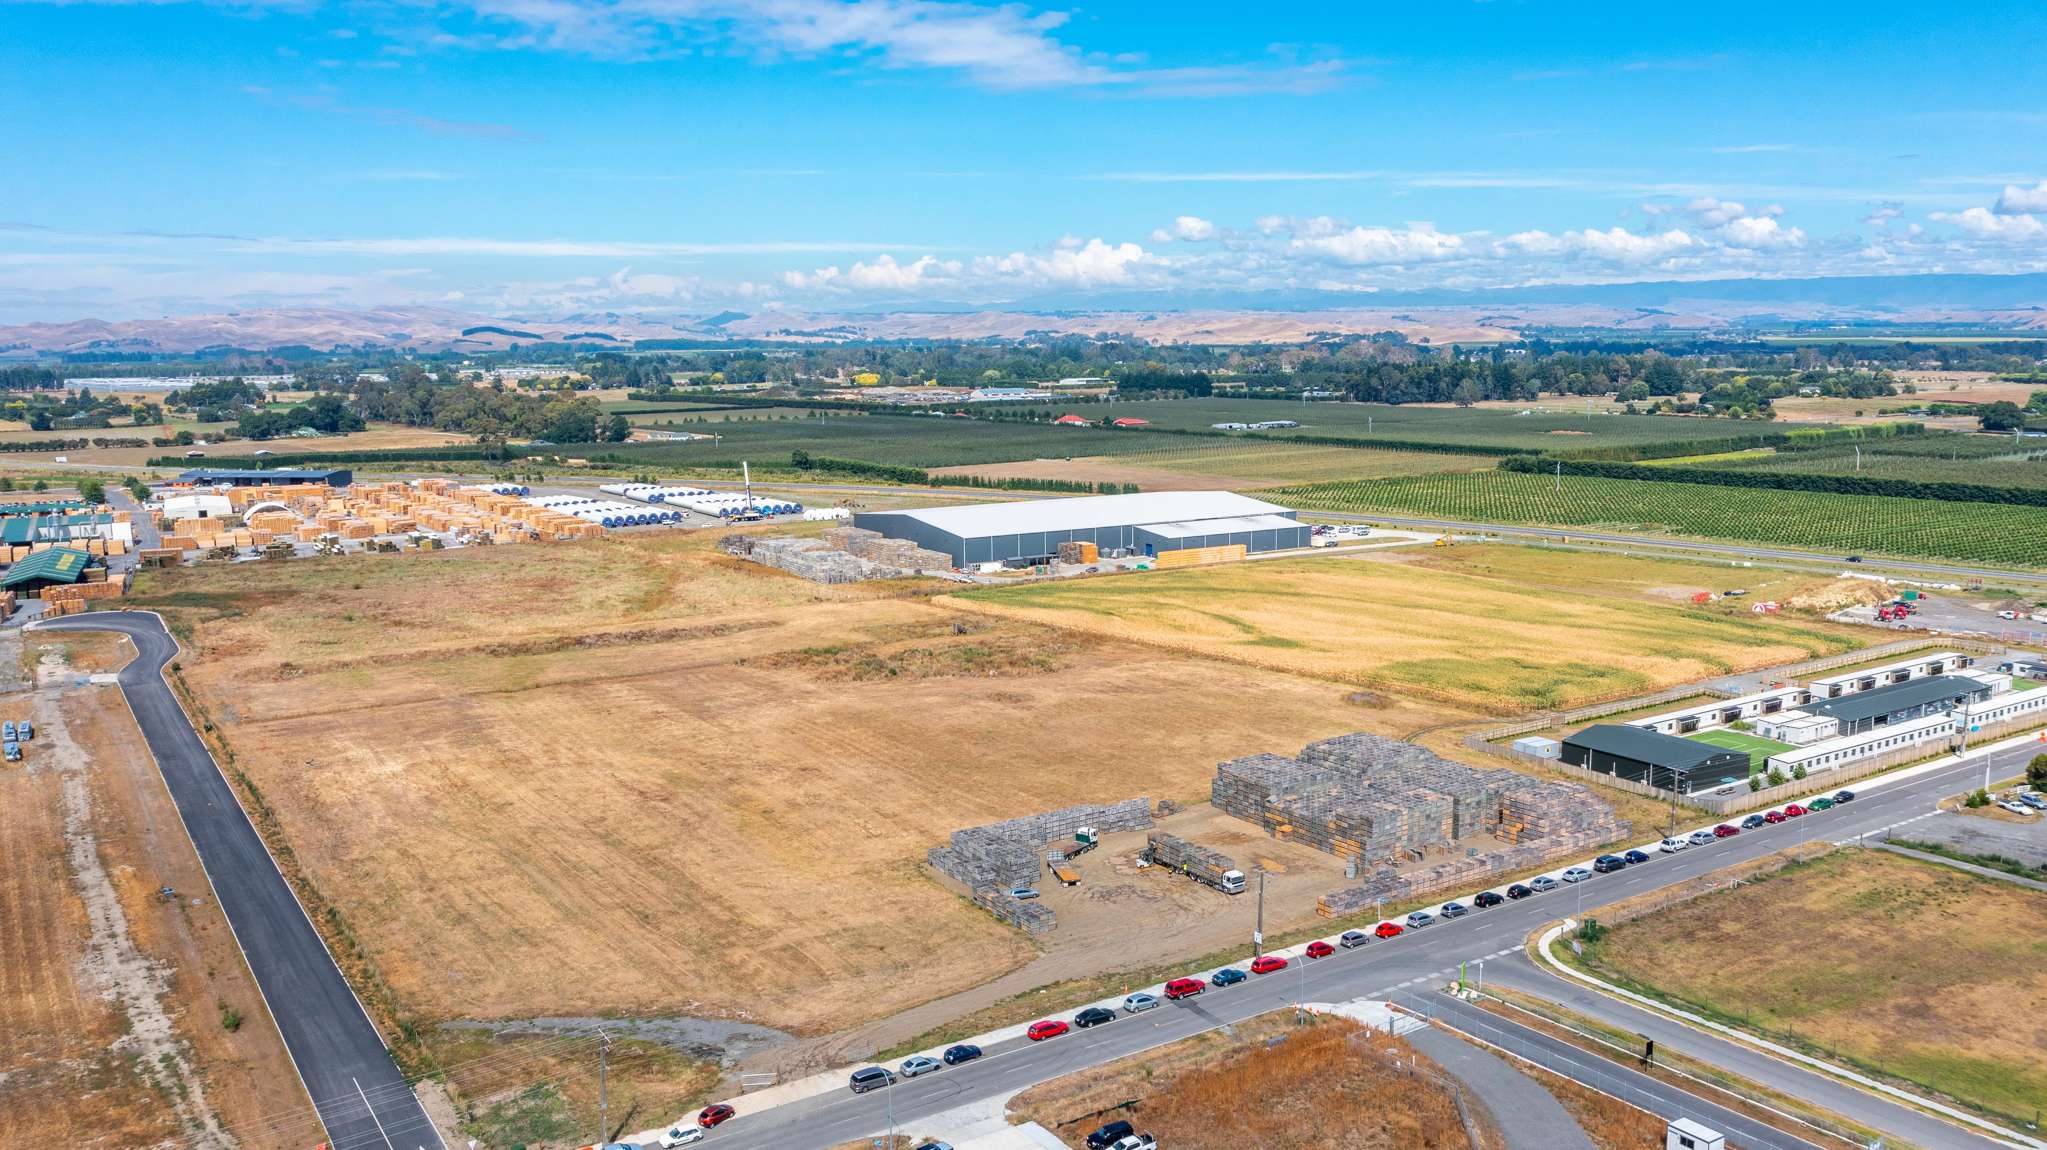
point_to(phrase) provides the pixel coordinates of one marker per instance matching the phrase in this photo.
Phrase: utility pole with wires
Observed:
(1258, 928)
(603, 1052)
(1560, 477)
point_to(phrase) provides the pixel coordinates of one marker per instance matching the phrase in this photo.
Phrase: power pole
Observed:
(1258, 930)
(603, 1126)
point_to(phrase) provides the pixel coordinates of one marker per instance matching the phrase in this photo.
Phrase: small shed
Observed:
(1685, 1134)
(1538, 746)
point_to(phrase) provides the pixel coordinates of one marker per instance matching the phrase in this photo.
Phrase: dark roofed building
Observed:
(50, 567)
(1655, 758)
(225, 477)
(1903, 702)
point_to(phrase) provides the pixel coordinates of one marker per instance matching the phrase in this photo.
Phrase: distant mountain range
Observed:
(1962, 302)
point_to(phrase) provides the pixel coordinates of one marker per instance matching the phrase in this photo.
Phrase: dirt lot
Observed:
(113, 1000)
(648, 778)
(1908, 968)
(1269, 1085)
(1934, 387)
(1498, 628)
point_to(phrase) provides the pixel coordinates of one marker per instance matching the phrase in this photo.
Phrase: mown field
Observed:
(1969, 532)
(1908, 968)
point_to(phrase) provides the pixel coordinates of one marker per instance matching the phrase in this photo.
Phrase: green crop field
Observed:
(1971, 532)
(902, 440)
(1281, 462)
(1759, 749)
(1991, 461)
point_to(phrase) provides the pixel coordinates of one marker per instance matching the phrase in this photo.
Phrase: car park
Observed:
(1844, 797)
(1227, 976)
(1184, 988)
(1486, 898)
(1793, 810)
(1635, 856)
(1109, 1135)
(1094, 1016)
(1754, 821)
(1140, 1002)
(1025, 892)
(680, 1135)
(1607, 864)
(1672, 846)
(1577, 874)
(1319, 949)
(2017, 808)
(1821, 804)
(1420, 919)
(1518, 891)
(711, 1115)
(921, 1064)
(1353, 938)
(1048, 1028)
(964, 1052)
(868, 1078)
(1453, 910)
(1542, 884)
(1726, 831)
(1267, 963)
(1774, 817)
(1700, 837)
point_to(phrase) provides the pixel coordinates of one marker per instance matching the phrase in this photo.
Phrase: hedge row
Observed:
(302, 459)
(1783, 481)
(1796, 439)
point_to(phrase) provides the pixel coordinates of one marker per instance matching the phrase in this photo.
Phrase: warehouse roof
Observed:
(1903, 696)
(22, 530)
(1653, 747)
(1088, 511)
(44, 507)
(280, 474)
(58, 565)
(1233, 524)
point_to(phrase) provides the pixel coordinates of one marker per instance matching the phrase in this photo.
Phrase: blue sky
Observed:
(555, 156)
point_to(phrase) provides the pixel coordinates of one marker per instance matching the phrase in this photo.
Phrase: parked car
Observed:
(1023, 892)
(1844, 797)
(1793, 810)
(920, 1064)
(2034, 801)
(1136, 1142)
(718, 1112)
(868, 1078)
(936, 1146)
(1774, 817)
(1453, 910)
(1093, 1016)
(1635, 856)
(1577, 874)
(1267, 963)
(1726, 831)
(1048, 1028)
(1607, 864)
(1753, 821)
(1420, 919)
(1486, 898)
(1821, 804)
(1701, 837)
(25, 729)
(11, 751)
(1353, 938)
(1319, 949)
(1227, 976)
(2007, 614)
(1109, 1135)
(964, 1052)
(1543, 884)
(1518, 891)
(680, 1135)
(2017, 808)
(1140, 1002)
(7, 730)
(1389, 930)
(1672, 846)
(1185, 988)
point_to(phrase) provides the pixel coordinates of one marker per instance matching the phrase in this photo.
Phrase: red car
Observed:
(1049, 1028)
(1724, 831)
(1774, 817)
(1389, 930)
(1320, 949)
(1267, 963)
(712, 1115)
(1793, 811)
(1185, 987)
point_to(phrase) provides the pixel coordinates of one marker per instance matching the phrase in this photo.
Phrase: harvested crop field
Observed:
(1491, 641)
(1908, 968)
(642, 777)
(1177, 463)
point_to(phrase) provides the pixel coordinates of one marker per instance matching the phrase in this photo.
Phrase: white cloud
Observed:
(2018, 201)
(542, 249)
(1071, 263)
(1416, 243)
(1882, 215)
(1612, 245)
(1760, 232)
(1990, 225)
(1190, 228)
(1713, 212)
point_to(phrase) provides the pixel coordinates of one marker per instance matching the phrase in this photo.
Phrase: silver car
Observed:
(1420, 919)
(1139, 1002)
(1543, 883)
(912, 1067)
(1577, 874)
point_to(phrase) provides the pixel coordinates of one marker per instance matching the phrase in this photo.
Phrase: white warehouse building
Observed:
(1145, 524)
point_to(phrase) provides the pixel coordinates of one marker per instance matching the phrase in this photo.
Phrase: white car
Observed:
(1672, 846)
(680, 1135)
(1139, 1002)
(1577, 874)
(2007, 614)
(2016, 808)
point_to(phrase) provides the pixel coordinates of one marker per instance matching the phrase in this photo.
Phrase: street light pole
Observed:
(1258, 930)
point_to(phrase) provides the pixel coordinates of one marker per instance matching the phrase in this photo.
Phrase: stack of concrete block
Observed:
(1006, 854)
(842, 555)
(899, 553)
(1032, 917)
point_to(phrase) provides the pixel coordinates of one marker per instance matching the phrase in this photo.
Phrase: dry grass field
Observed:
(641, 776)
(1231, 464)
(1491, 628)
(378, 438)
(1329, 1084)
(1916, 970)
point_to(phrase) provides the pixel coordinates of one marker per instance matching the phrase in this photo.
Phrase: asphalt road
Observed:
(361, 1097)
(1401, 969)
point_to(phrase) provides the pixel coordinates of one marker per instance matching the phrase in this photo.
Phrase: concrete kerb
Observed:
(1782, 1053)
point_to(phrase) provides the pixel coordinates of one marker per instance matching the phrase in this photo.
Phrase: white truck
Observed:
(1210, 868)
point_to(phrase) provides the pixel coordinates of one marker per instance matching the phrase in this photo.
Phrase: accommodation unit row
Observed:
(1718, 713)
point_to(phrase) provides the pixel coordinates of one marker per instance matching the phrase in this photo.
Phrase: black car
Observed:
(1227, 976)
(1109, 1135)
(1453, 910)
(1518, 891)
(1844, 796)
(1635, 858)
(1607, 864)
(1753, 821)
(964, 1052)
(1093, 1016)
(1486, 898)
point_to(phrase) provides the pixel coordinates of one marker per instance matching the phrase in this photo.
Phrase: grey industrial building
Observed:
(1148, 524)
(234, 477)
(1655, 758)
(1917, 698)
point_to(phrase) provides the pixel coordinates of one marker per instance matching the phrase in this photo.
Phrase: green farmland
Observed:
(1850, 524)
(1985, 460)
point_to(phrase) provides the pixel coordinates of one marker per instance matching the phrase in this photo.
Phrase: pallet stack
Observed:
(1031, 917)
(1007, 854)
